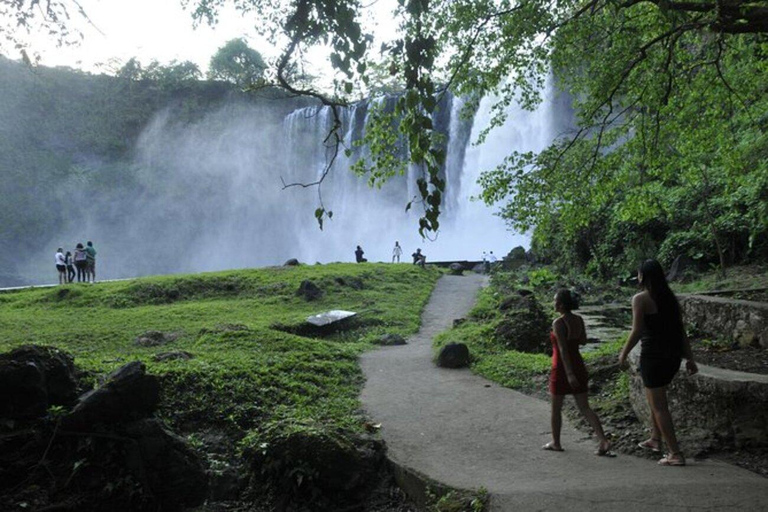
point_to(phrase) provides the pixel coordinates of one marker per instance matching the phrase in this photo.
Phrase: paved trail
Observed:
(448, 425)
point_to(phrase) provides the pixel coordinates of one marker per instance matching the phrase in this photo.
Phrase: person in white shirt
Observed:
(397, 252)
(61, 265)
(492, 258)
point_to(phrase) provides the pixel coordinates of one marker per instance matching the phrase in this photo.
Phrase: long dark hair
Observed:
(567, 299)
(655, 282)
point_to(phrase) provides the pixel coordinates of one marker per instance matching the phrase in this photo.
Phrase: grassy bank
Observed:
(249, 376)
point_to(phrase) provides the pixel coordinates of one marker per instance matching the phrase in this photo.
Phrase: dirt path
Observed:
(466, 432)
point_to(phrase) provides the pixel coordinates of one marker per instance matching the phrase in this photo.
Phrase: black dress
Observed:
(660, 349)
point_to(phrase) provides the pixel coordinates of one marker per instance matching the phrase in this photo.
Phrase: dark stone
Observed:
(458, 321)
(171, 356)
(525, 326)
(389, 340)
(309, 290)
(293, 262)
(453, 355)
(172, 470)
(523, 292)
(32, 378)
(337, 467)
(479, 269)
(456, 269)
(156, 338)
(678, 268)
(353, 282)
(128, 394)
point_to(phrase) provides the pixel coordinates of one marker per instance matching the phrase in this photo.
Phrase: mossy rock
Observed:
(524, 325)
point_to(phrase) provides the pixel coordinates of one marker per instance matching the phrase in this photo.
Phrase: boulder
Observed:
(293, 262)
(456, 269)
(389, 340)
(32, 378)
(309, 290)
(453, 355)
(156, 338)
(524, 326)
(171, 469)
(172, 356)
(326, 468)
(128, 394)
(479, 269)
(353, 282)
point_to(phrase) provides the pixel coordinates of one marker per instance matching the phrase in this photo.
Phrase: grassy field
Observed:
(247, 372)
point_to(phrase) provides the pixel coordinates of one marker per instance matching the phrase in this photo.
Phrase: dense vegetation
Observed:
(248, 378)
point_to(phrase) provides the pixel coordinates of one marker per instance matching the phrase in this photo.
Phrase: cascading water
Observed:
(206, 194)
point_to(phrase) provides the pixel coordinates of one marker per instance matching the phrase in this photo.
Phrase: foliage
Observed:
(238, 63)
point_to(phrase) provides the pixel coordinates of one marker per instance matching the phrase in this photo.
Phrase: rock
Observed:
(524, 326)
(353, 282)
(456, 269)
(172, 470)
(479, 269)
(293, 262)
(453, 355)
(172, 356)
(458, 321)
(32, 378)
(389, 340)
(309, 290)
(128, 394)
(678, 267)
(156, 338)
(326, 468)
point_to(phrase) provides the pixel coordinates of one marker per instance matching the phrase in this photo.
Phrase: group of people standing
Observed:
(82, 263)
(658, 326)
(419, 258)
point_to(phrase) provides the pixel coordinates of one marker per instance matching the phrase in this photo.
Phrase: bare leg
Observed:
(557, 421)
(657, 398)
(583, 404)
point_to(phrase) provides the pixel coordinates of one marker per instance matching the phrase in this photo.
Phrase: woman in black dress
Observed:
(657, 324)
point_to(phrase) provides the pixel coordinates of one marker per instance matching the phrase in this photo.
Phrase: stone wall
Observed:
(712, 409)
(742, 321)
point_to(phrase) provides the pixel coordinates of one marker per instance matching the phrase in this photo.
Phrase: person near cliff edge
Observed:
(81, 263)
(658, 325)
(397, 252)
(90, 262)
(61, 265)
(359, 255)
(419, 258)
(70, 266)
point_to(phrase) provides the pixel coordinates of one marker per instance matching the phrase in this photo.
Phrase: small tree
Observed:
(236, 62)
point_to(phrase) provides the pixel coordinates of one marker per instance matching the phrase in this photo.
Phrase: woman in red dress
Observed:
(569, 374)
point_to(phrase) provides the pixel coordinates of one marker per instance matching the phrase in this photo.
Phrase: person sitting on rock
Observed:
(569, 374)
(359, 255)
(419, 258)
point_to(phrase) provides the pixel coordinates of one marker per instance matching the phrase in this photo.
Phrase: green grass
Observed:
(741, 277)
(244, 377)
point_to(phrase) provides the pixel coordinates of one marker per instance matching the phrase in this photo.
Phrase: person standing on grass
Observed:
(397, 252)
(81, 263)
(569, 374)
(658, 325)
(70, 266)
(61, 265)
(91, 261)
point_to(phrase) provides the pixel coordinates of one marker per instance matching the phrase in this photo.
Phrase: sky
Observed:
(163, 30)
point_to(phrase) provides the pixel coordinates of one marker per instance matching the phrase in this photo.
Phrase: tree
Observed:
(236, 62)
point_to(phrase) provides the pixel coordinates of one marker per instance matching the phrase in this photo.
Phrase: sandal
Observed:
(672, 459)
(651, 444)
(552, 448)
(605, 452)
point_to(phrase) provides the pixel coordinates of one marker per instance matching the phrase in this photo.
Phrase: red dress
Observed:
(558, 380)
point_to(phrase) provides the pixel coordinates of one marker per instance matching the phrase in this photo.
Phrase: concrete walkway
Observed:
(466, 432)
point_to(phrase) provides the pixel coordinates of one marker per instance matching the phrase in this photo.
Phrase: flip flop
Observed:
(646, 445)
(605, 453)
(551, 448)
(669, 460)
